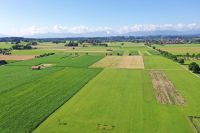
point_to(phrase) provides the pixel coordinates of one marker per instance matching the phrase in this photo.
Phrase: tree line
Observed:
(194, 67)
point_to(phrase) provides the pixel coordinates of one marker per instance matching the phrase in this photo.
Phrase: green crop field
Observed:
(5, 45)
(25, 91)
(71, 96)
(159, 62)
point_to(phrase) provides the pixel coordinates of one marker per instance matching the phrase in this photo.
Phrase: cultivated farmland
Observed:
(121, 88)
(181, 49)
(15, 57)
(26, 100)
(131, 62)
(164, 90)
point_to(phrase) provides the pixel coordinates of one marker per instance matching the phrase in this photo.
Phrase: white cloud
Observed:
(33, 30)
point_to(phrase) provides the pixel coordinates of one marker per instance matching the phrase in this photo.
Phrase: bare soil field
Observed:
(164, 90)
(134, 62)
(108, 61)
(129, 62)
(16, 57)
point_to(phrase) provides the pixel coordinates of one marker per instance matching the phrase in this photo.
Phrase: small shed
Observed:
(36, 67)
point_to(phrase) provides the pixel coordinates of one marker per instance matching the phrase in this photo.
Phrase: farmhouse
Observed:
(36, 67)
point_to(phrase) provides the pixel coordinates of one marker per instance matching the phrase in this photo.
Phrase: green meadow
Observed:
(69, 96)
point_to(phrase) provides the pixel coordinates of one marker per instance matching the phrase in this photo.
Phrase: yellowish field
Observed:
(129, 62)
(182, 50)
(16, 57)
(88, 51)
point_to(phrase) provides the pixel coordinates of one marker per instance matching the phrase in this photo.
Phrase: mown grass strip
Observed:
(153, 52)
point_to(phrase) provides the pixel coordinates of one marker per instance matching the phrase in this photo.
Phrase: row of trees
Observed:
(185, 56)
(17, 46)
(76, 43)
(194, 67)
(189, 56)
(21, 47)
(44, 55)
(168, 55)
(72, 44)
(5, 51)
(100, 44)
(59, 41)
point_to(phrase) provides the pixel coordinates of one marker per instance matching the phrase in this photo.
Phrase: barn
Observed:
(36, 67)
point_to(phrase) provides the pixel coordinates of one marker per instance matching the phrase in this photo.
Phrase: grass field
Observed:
(104, 101)
(127, 104)
(35, 52)
(5, 45)
(85, 93)
(159, 62)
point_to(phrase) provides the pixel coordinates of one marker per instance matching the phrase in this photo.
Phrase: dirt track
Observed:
(164, 90)
(16, 57)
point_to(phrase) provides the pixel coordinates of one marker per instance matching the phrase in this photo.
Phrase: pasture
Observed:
(122, 88)
(115, 103)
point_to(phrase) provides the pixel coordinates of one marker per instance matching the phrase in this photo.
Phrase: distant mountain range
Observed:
(104, 34)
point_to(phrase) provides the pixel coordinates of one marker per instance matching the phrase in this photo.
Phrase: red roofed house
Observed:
(36, 67)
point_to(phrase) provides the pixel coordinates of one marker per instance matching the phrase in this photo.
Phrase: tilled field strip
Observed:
(108, 61)
(16, 57)
(164, 90)
(130, 62)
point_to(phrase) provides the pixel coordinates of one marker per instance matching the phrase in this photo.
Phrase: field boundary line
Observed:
(148, 52)
(140, 53)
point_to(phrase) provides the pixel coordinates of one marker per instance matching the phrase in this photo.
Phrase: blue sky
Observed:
(43, 15)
